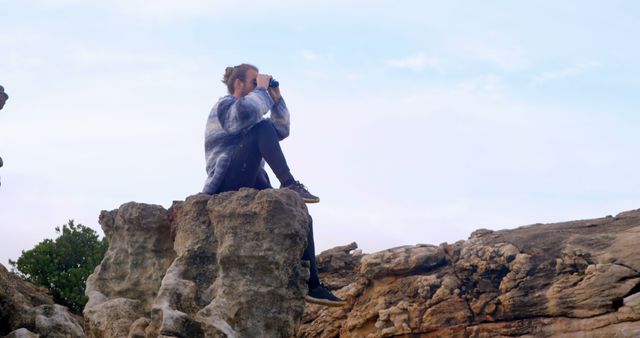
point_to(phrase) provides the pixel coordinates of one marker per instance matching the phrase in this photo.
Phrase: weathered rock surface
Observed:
(229, 266)
(573, 279)
(27, 310)
(212, 266)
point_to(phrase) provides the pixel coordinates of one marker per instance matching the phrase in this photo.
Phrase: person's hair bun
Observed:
(227, 74)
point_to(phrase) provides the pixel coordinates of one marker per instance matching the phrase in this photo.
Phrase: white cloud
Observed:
(565, 73)
(416, 62)
(440, 162)
(104, 56)
(60, 3)
(494, 49)
(313, 57)
(16, 60)
(171, 10)
(152, 10)
(309, 55)
(392, 165)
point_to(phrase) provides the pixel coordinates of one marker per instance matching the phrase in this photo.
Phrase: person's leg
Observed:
(269, 146)
(261, 142)
(310, 255)
(244, 171)
(318, 293)
(262, 180)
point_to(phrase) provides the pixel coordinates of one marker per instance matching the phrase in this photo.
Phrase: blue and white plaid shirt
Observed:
(229, 121)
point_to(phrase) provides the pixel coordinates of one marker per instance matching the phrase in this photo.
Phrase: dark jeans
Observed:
(261, 142)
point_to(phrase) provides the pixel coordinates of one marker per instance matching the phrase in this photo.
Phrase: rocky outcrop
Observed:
(212, 266)
(229, 266)
(573, 279)
(27, 310)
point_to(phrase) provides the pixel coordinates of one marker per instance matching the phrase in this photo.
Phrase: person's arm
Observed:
(236, 115)
(280, 118)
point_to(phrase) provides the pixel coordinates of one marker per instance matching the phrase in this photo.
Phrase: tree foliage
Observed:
(63, 265)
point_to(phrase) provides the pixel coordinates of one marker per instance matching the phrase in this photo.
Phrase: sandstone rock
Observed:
(17, 298)
(123, 287)
(22, 333)
(573, 279)
(27, 310)
(402, 260)
(339, 265)
(212, 266)
(113, 317)
(56, 321)
(229, 266)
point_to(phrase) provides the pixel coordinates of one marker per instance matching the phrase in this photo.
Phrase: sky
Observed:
(416, 122)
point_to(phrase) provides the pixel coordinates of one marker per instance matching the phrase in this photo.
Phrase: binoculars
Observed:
(272, 83)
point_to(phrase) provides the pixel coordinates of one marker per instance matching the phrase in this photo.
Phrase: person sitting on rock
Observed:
(239, 138)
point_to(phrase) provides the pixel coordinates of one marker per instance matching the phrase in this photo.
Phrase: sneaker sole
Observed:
(326, 302)
(311, 200)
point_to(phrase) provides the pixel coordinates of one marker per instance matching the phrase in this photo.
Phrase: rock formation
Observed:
(212, 266)
(229, 266)
(573, 279)
(27, 310)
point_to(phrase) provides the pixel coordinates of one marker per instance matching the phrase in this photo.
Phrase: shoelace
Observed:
(300, 185)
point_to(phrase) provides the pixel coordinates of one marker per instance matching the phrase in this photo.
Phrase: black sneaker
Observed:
(307, 197)
(321, 295)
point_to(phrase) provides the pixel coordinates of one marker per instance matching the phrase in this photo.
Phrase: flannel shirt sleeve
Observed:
(238, 115)
(280, 119)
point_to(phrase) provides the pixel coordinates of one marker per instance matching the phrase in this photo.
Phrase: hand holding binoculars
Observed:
(272, 83)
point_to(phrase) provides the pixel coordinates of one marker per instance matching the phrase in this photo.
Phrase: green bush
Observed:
(63, 265)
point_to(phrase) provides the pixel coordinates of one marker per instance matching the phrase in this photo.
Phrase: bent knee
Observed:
(265, 123)
(264, 126)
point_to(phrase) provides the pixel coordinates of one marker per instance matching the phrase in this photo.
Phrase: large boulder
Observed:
(28, 310)
(573, 279)
(212, 266)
